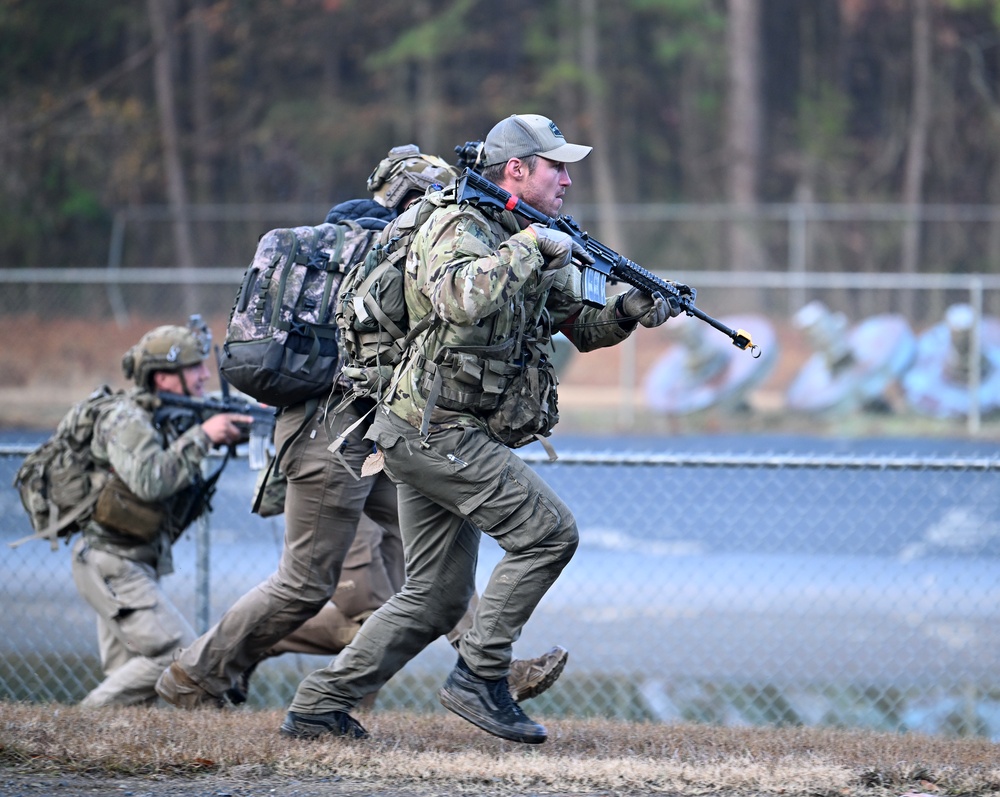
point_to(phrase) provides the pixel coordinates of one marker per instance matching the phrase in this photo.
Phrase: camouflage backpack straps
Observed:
(371, 313)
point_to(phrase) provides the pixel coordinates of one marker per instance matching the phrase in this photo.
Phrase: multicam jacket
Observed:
(162, 471)
(482, 275)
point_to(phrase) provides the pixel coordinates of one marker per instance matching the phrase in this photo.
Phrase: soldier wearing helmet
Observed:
(323, 506)
(407, 174)
(155, 490)
(167, 349)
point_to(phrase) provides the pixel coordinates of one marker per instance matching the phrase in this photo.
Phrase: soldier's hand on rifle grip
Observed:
(557, 247)
(224, 429)
(650, 311)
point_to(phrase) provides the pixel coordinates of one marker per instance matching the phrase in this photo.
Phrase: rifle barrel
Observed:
(473, 187)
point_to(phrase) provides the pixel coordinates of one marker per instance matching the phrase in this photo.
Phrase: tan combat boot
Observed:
(176, 687)
(528, 678)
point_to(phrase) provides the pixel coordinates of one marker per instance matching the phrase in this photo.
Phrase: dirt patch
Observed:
(53, 364)
(56, 362)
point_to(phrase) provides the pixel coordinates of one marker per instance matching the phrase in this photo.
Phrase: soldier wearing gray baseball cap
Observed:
(521, 135)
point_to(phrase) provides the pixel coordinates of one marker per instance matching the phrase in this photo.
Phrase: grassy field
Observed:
(63, 750)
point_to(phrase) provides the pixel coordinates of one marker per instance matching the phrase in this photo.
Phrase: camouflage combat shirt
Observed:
(482, 275)
(153, 468)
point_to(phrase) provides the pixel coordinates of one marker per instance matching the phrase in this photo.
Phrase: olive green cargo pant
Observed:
(322, 508)
(373, 572)
(457, 484)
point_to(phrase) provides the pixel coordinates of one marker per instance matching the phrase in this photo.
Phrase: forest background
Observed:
(105, 105)
(184, 116)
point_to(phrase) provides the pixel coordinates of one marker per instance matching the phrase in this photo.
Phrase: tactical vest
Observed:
(144, 531)
(500, 371)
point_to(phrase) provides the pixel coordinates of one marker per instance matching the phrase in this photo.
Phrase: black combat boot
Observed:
(487, 704)
(309, 726)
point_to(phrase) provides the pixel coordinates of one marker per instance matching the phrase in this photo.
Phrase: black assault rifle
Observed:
(607, 265)
(183, 412)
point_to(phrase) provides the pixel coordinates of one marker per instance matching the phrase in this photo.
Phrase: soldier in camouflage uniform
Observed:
(476, 384)
(156, 491)
(323, 506)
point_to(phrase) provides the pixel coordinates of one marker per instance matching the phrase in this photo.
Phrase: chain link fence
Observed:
(747, 587)
(823, 589)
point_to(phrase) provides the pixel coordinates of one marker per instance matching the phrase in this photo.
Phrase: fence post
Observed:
(975, 353)
(114, 263)
(797, 248)
(202, 577)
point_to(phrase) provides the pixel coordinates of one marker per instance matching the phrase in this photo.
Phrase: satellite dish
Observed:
(704, 369)
(851, 367)
(938, 383)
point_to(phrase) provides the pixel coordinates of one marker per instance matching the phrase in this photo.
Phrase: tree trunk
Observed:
(429, 109)
(160, 19)
(743, 130)
(916, 153)
(597, 116)
(204, 145)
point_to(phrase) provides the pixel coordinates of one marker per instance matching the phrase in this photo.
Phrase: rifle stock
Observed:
(608, 264)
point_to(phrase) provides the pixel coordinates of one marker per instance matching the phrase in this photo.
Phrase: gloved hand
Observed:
(650, 312)
(558, 248)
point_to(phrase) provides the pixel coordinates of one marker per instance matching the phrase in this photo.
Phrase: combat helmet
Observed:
(166, 348)
(406, 169)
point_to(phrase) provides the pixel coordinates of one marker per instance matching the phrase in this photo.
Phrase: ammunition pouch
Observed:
(121, 511)
(529, 407)
(517, 402)
(464, 382)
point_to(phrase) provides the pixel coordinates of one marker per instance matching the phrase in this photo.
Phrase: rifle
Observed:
(469, 155)
(183, 412)
(607, 265)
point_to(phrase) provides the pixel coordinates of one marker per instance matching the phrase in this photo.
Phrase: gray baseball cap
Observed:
(521, 135)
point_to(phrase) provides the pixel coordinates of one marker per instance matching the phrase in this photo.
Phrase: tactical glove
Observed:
(650, 312)
(558, 248)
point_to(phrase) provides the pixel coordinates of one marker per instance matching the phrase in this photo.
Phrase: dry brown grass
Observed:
(438, 754)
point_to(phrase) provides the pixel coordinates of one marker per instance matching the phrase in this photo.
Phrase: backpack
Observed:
(281, 345)
(59, 481)
(371, 314)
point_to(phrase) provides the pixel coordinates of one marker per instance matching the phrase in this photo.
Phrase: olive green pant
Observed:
(451, 488)
(323, 506)
(373, 572)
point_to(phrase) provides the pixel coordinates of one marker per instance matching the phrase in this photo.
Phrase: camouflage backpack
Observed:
(281, 344)
(371, 312)
(59, 481)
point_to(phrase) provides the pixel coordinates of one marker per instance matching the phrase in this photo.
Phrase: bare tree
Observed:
(743, 129)
(160, 21)
(204, 145)
(916, 151)
(594, 100)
